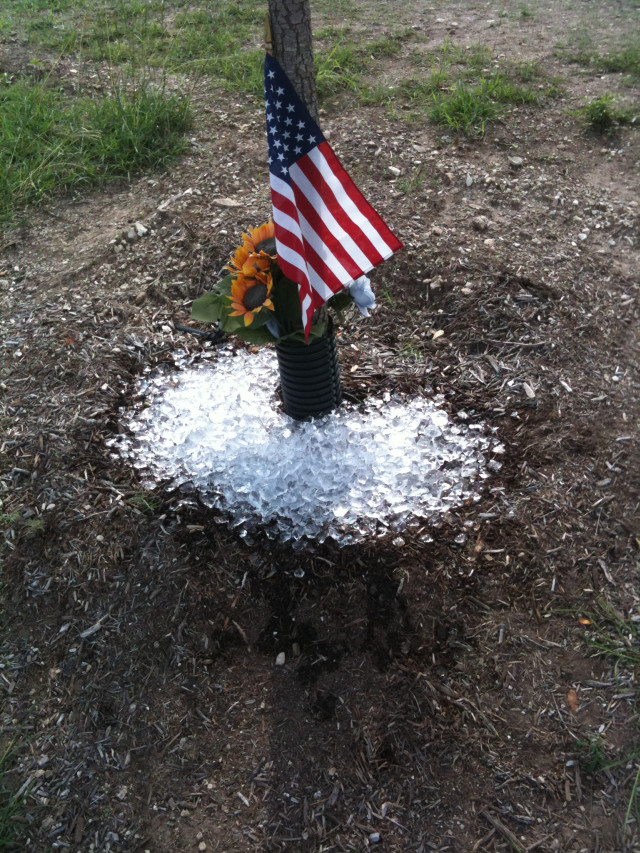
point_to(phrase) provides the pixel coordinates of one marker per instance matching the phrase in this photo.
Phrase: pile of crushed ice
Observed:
(359, 472)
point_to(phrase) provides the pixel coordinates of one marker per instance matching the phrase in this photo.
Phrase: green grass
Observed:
(145, 502)
(52, 143)
(625, 59)
(592, 755)
(341, 10)
(337, 68)
(10, 807)
(581, 50)
(463, 89)
(389, 46)
(409, 186)
(177, 36)
(603, 114)
(616, 638)
(578, 50)
(342, 64)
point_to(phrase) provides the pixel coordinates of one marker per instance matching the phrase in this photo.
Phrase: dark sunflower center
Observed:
(268, 246)
(255, 296)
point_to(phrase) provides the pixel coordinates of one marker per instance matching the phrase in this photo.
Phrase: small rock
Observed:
(394, 171)
(131, 235)
(583, 236)
(140, 229)
(448, 178)
(43, 760)
(202, 846)
(469, 181)
(281, 659)
(122, 792)
(516, 162)
(480, 223)
(437, 231)
(117, 248)
(490, 243)
(140, 298)
(226, 202)
(374, 838)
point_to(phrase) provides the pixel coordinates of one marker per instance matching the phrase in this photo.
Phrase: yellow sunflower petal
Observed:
(258, 235)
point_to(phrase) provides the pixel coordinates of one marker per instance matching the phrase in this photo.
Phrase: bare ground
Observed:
(436, 695)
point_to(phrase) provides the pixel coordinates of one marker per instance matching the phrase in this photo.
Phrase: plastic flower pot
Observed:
(309, 377)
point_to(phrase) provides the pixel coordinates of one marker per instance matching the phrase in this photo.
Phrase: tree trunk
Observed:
(292, 47)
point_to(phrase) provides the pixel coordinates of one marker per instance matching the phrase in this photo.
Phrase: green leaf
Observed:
(317, 331)
(253, 335)
(209, 308)
(286, 301)
(341, 301)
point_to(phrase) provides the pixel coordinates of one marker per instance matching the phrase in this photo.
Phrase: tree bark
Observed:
(293, 49)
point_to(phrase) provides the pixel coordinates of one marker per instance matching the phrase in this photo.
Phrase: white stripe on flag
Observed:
(292, 257)
(296, 260)
(288, 223)
(323, 251)
(319, 285)
(307, 310)
(316, 201)
(318, 158)
(282, 187)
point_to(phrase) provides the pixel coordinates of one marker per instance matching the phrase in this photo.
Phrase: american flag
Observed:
(327, 234)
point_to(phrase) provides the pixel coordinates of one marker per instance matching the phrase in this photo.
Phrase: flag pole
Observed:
(268, 35)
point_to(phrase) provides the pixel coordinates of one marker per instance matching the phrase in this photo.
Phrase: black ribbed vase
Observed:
(309, 377)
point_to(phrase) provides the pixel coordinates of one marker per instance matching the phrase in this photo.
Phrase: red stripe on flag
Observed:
(289, 239)
(292, 273)
(292, 241)
(320, 268)
(325, 236)
(285, 236)
(334, 205)
(284, 204)
(358, 199)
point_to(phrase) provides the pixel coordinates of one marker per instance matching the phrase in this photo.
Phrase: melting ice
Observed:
(358, 472)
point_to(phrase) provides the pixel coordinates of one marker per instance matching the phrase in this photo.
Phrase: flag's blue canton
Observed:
(291, 132)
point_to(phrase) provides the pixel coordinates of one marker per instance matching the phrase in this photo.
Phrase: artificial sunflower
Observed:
(260, 243)
(261, 239)
(250, 295)
(249, 264)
